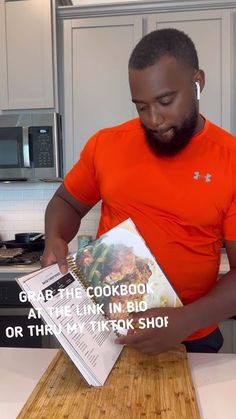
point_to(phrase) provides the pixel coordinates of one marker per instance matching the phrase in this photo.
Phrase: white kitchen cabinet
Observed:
(26, 54)
(211, 34)
(234, 336)
(228, 330)
(96, 53)
(96, 89)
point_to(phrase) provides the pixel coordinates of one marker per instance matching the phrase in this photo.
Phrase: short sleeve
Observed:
(81, 180)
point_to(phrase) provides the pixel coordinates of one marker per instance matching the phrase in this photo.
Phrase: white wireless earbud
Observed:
(198, 90)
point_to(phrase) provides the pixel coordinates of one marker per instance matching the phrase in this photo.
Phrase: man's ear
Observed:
(199, 77)
(198, 90)
(199, 82)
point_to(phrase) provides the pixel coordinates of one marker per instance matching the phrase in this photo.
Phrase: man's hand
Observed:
(56, 251)
(62, 219)
(155, 340)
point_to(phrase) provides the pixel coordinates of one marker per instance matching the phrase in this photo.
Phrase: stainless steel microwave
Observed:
(30, 147)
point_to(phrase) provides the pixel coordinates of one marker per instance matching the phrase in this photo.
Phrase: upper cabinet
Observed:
(96, 88)
(26, 54)
(95, 66)
(211, 32)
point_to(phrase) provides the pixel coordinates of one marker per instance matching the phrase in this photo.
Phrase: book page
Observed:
(78, 324)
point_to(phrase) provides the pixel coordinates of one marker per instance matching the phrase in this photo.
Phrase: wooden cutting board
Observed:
(139, 386)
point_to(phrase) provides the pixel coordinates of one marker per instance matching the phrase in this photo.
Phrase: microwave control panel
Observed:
(41, 146)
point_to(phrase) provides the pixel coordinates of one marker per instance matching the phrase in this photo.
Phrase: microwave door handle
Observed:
(26, 151)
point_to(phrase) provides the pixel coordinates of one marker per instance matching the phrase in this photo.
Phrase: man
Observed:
(174, 174)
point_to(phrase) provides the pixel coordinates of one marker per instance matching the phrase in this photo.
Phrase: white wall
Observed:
(22, 208)
(84, 2)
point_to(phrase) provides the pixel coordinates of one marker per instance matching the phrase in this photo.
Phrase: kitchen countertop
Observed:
(19, 269)
(24, 269)
(214, 377)
(20, 370)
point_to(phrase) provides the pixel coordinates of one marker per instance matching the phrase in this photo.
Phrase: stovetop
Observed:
(19, 256)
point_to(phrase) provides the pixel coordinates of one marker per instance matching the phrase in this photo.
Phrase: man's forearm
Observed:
(61, 220)
(217, 305)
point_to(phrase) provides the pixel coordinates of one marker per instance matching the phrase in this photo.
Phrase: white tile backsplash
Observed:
(36, 195)
(22, 208)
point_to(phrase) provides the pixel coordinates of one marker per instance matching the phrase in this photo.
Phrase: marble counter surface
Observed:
(214, 378)
(20, 370)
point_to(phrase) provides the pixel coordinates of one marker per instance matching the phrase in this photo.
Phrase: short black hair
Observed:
(153, 46)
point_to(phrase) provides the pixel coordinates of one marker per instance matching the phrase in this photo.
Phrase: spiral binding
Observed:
(83, 281)
(80, 277)
(77, 272)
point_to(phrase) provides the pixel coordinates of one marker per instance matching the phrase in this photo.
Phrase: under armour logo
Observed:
(197, 176)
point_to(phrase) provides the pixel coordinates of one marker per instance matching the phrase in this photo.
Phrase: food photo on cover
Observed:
(118, 210)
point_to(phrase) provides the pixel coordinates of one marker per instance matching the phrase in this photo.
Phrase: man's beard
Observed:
(180, 140)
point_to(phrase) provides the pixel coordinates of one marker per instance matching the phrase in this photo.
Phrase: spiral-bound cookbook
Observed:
(86, 308)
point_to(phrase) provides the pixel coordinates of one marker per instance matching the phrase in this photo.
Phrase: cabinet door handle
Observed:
(26, 152)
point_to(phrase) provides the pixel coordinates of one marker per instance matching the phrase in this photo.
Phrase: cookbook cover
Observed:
(122, 273)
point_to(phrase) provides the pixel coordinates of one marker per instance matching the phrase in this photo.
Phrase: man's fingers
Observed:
(56, 252)
(47, 259)
(143, 314)
(130, 338)
(63, 266)
(61, 252)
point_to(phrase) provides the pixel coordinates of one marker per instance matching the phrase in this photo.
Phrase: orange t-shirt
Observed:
(182, 206)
